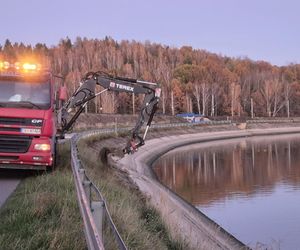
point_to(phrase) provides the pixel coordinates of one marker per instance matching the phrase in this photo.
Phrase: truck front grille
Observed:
(10, 129)
(14, 144)
(36, 122)
(13, 121)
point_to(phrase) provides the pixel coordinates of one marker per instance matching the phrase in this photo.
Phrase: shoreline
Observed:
(180, 217)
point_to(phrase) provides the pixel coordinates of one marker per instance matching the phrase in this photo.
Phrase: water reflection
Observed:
(227, 178)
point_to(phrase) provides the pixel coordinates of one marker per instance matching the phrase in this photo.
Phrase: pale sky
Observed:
(259, 29)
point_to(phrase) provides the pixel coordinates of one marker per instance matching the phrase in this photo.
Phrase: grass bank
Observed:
(138, 222)
(42, 213)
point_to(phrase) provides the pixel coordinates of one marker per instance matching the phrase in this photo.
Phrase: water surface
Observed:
(251, 187)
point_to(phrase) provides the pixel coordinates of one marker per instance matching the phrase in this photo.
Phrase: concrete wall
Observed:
(183, 220)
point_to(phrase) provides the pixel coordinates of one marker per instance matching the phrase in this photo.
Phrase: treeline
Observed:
(191, 80)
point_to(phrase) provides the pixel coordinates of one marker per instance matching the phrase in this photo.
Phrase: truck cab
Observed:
(27, 116)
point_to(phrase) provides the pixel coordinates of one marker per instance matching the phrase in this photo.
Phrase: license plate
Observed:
(31, 131)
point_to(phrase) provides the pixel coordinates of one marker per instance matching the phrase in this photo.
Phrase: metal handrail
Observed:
(92, 205)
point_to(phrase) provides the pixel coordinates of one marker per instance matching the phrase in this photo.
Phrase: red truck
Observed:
(33, 113)
(27, 116)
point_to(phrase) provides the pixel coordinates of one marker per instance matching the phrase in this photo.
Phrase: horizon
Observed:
(241, 57)
(258, 30)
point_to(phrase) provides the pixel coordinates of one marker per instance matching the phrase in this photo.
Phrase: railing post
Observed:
(87, 190)
(98, 215)
(116, 126)
(81, 173)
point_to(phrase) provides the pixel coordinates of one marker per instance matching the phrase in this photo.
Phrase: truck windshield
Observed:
(21, 94)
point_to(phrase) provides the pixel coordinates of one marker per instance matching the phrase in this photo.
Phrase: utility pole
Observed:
(133, 103)
(252, 114)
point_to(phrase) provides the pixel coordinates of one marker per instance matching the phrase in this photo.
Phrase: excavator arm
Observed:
(86, 92)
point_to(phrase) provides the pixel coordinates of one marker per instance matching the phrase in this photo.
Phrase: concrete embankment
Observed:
(183, 220)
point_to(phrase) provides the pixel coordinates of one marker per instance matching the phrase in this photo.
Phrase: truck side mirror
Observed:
(62, 95)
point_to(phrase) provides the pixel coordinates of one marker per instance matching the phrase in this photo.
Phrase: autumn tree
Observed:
(191, 79)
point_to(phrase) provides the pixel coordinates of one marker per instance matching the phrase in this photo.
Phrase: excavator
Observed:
(86, 92)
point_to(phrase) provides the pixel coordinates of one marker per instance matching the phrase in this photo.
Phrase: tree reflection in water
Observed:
(244, 184)
(202, 173)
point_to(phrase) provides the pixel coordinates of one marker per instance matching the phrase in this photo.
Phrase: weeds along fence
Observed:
(92, 204)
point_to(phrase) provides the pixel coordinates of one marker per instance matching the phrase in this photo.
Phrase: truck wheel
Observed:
(54, 164)
(54, 161)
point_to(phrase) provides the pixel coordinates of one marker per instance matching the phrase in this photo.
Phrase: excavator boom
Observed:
(86, 92)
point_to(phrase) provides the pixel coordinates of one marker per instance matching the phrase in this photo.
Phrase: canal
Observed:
(249, 186)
